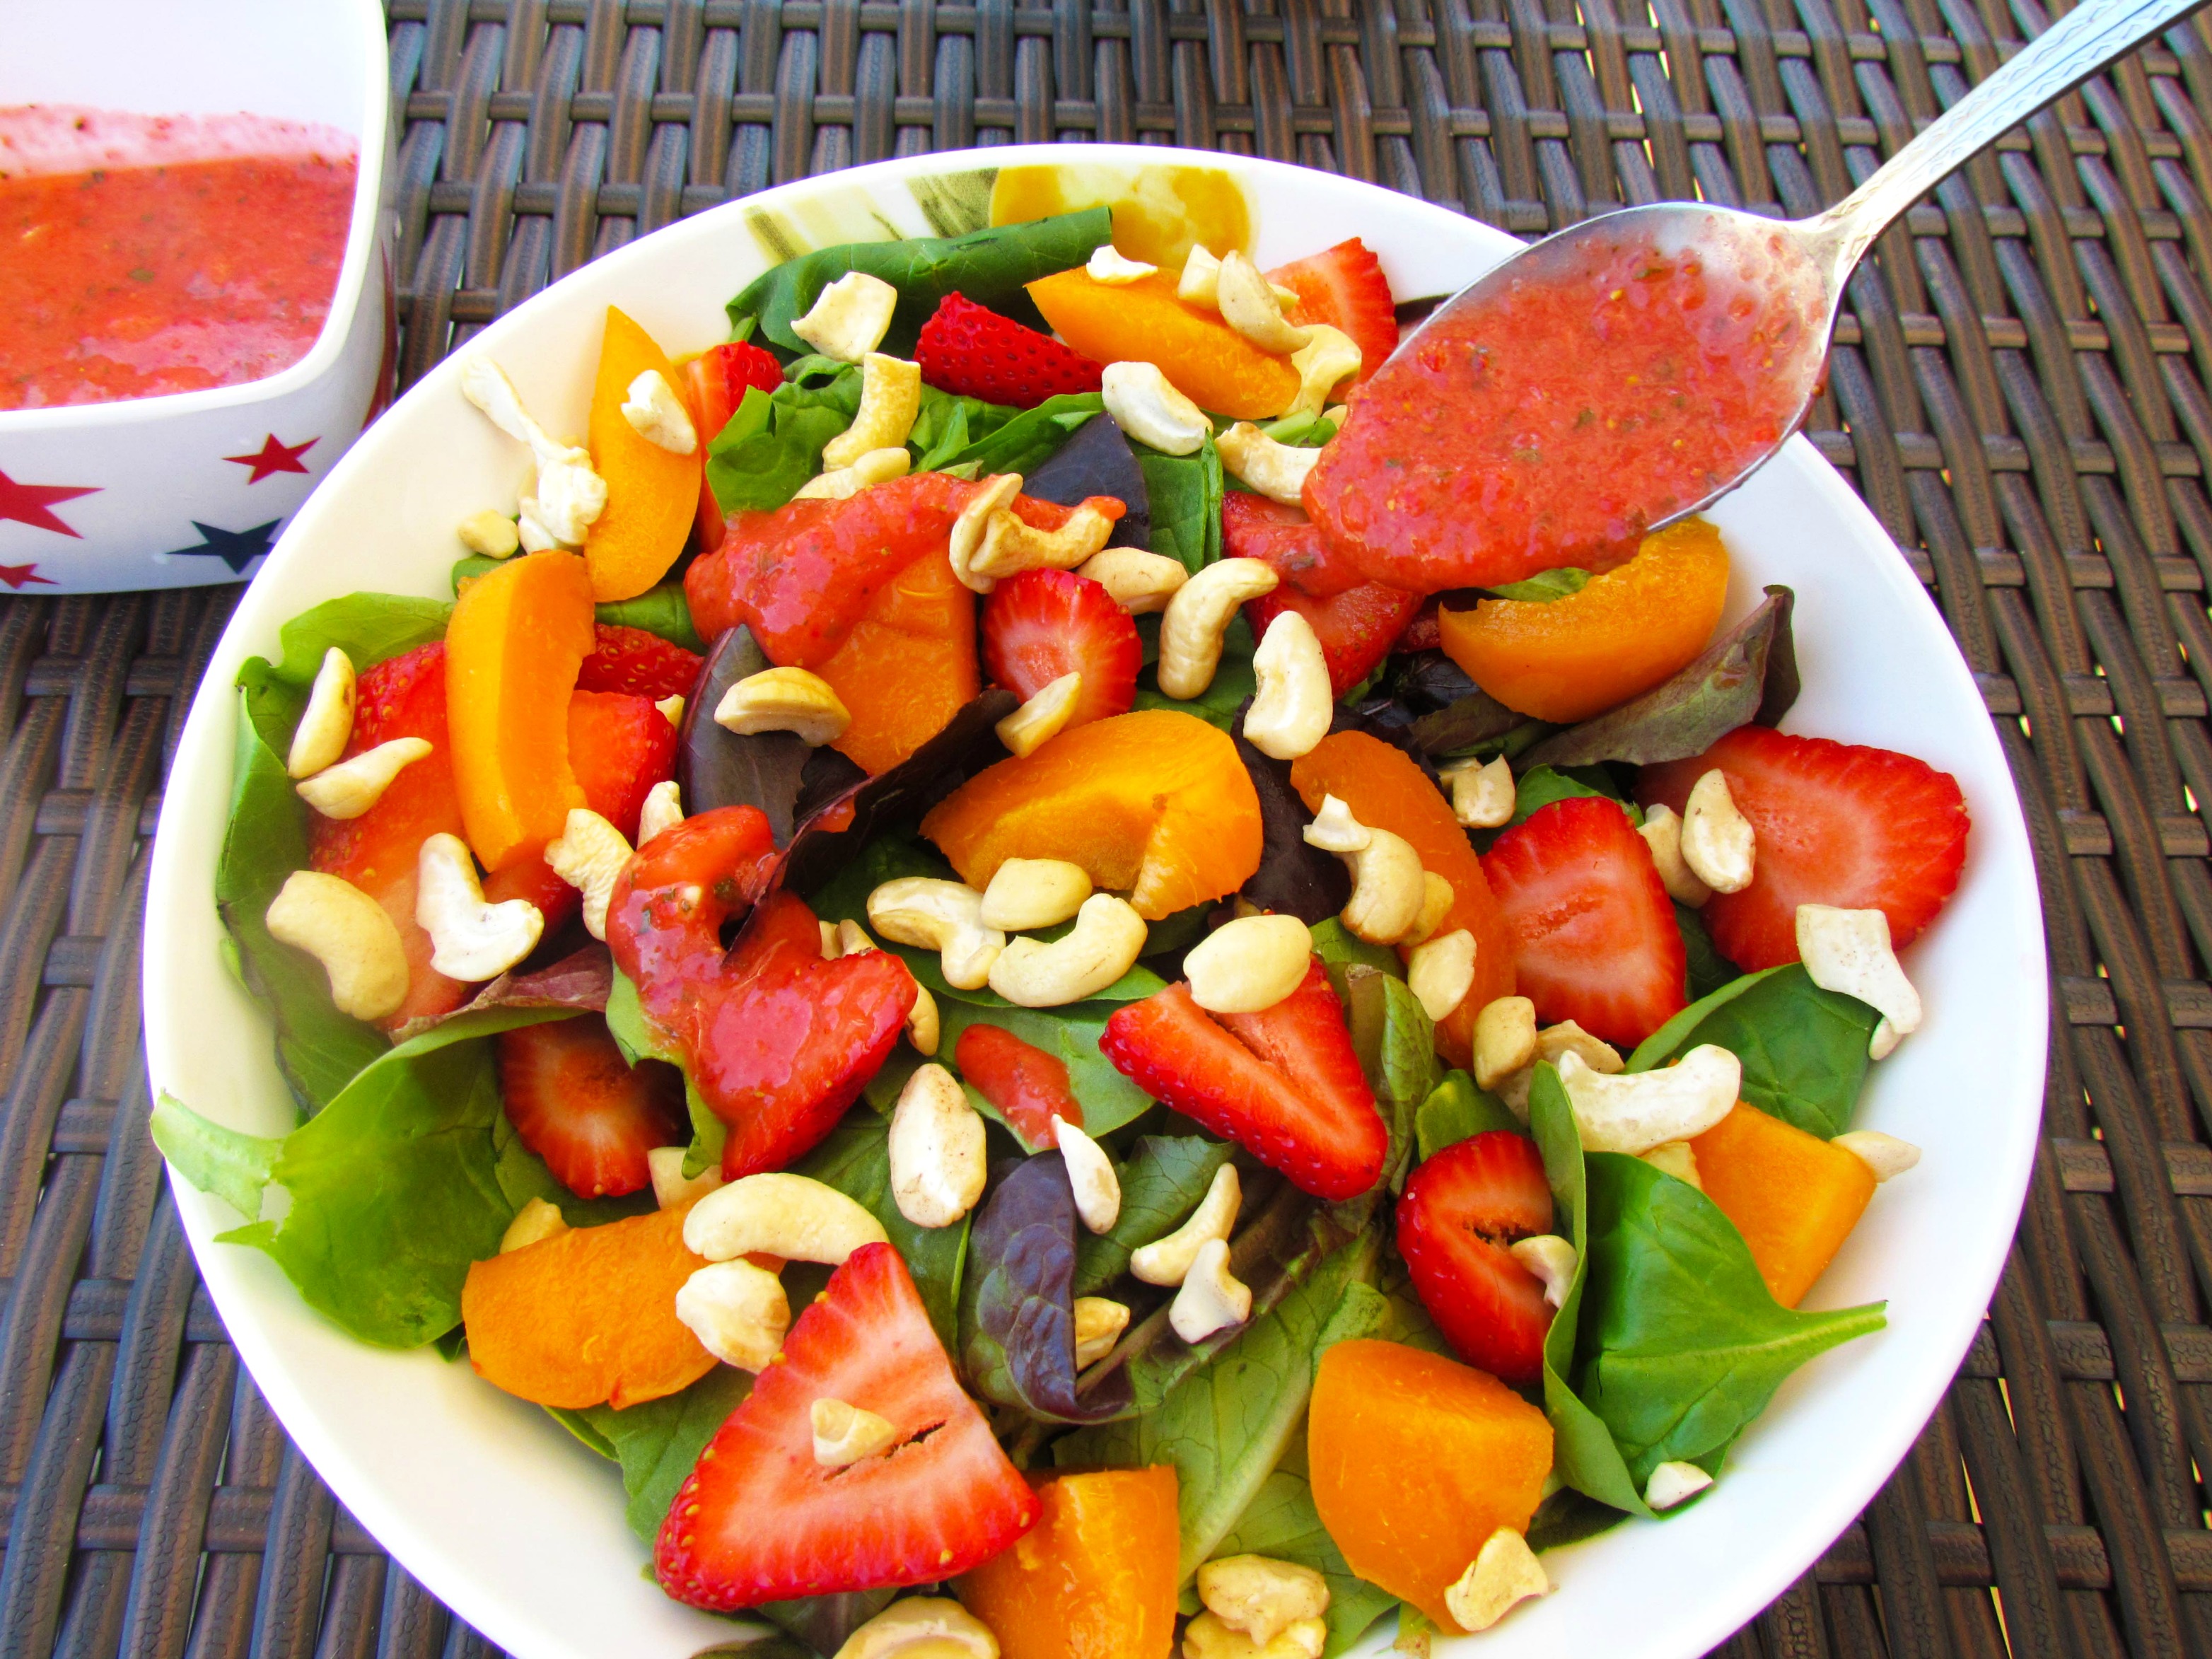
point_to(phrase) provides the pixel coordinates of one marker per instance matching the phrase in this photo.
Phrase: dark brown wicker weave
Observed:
(2017, 390)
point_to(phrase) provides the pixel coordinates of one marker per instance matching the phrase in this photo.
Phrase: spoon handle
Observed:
(2062, 56)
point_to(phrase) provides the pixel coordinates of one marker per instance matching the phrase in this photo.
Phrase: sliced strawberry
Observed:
(1027, 1086)
(713, 383)
(1460, 1212)
(760, 1520)
(644, 665)
(1356, 622)
(1344, 287)
(1285, 1085)
(1859, 829)
(973, 352)
(579, 1106)
(1594, 932)
(1042, 625)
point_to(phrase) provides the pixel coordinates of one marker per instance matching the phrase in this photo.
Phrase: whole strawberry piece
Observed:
(1458, 1215)
(760, 1520)
(1042, 625)
(577, 1103)
(1832, 823)
(975, 353)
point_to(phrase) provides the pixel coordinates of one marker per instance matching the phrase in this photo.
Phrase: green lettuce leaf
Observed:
(1024, 440)
(855, 1159)
(772, 443)
(1458, 1109)
(1162, 1183)
(663, 610)
(1803, 1049)
(1186, 494)
(658, 1442)
(1281, 1522)
(1545, 586)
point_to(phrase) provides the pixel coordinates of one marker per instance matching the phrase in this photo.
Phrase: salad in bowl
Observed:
(921, 955)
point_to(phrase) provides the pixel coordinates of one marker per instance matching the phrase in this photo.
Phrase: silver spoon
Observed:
(1513, 432)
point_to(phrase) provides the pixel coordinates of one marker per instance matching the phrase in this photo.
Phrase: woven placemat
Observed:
(2017, 390)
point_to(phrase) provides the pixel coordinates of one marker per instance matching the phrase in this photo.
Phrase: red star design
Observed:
(16, 575)
(273, 457)
(28, 503)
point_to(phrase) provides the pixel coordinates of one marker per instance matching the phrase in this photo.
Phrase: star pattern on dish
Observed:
(28, 503)
(273, 457)
(16, 575)
(235, 548)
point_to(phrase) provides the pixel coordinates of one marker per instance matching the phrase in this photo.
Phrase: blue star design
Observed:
(235, 548)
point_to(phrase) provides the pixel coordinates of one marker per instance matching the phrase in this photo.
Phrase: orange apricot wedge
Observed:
(588, 1318)
(1207, 360)
(908, 667)
(1626, 631)
(1094, 1578)
(1793, 1196)
(1154, 803)
(653, 494)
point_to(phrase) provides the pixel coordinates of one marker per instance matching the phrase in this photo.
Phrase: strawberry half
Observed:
(1042, 625)
(1344, 287)
(1594, 932)
(1859, 829)
(973, 352)
(579, 1105)
(644, 665)
(1027, 1086)
(1283, 1084)
(1459, 1212)
(1356, 622)
(759, 1520)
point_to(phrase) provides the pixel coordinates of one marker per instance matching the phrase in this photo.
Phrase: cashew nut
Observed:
(1107, 265)
(1325, 360)
(1387, 889)
(671, 708)
(1277, 471)
(1677, 1158)
(1334, 828)
(1441, 972)
(490, 534)
(327, 724)
(663, 810)
(1886, 1155)
(871, 467)
(352, 787)
(589, 853)
(1673, 1483)
(784, 700)
(993, 494)
(1167, 1260)
(1505, 1572)
(1663, 833)
(1555, 1042)
(737, 1311)
(1099, 1323)
(671, 1185)
(1042, 718)
(1248, 304)
(890, 398)
(922, 1627)
(945, 916)
(1108, 937)
(568, 496)
(1212, 1298)
(1482, 795)
(1011, 545)
(1552, 1258)
(1090, 1173)
(849, 319)
(1504, 1039)
(1248, 963)
(845, 1435)
(1718, 842)
(1437, 901)
(790, 1216)
(1849, 951)
(1635, 1111)
(533, 1223)
(1145, 405)
(1291, 708)
(1199, 615)
(1259, 1596)
(1139, 582)
(657, 415)
(936, 1149)
(470, 940)
(1201, 276)
(1210, 1637)
(1025, 894)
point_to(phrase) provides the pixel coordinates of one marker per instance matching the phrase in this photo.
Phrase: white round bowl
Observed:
(519, 1529)
(165, 492)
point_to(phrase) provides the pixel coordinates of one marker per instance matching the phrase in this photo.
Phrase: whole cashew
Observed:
(471, 940)
(1025, 894)
(890, 398)
(1277, 471)
(350, 788)
(1108, 937)
(324, 730)
(1167, 1260)
(1249, 305)
(791, 1216)
(1293, 706)
(1139, 582)
(1199, 615)
(351, 934)
(945, 916)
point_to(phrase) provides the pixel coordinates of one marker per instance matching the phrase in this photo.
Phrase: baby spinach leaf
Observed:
(1568, 1517)
(658, 1442)
(772, 445)
(369, 628)
(1028, 439)
(1017, 1306)
(992, 267)
(1682, 1344)
(855, 1159)
(1803, 1049)
(1340, 950)
(1458, 1109)
(663, 610)
(1396, 1042)
(1162, 1183)
(1545, 586)
(573, 1421)
(1281, 1523)
(1185, 492)
(1708, 969)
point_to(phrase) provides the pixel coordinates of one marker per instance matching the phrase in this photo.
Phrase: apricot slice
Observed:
(588, 1317)
(1627, 630)
(518, 638)
(1154, 803)
(1209, 363)
(1386, 790)
(653, 494)
(1094, 1578)
(1793, 1196)
(1416, 1460)
(908, 667)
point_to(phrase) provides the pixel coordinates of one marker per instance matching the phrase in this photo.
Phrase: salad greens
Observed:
(1803, 1049)
(1163, 1183)
(1186, 497)
(856, 1160)
(1458, 1109)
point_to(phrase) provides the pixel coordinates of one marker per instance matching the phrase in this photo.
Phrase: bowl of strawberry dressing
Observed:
(195, 305)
